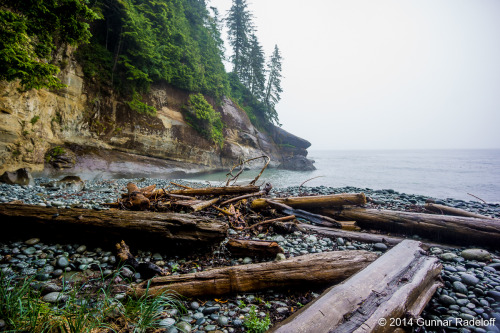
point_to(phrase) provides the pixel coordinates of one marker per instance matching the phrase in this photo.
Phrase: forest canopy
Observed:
(129, 44)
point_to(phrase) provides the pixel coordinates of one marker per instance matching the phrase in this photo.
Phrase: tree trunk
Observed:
(445, 210)
(324, 201)
(251, 248)
(398, 284)
(317, 269)
(440, 228)
(136, 228)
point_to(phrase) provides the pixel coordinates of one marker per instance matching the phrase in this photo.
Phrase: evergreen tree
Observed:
(256, 68)
(273, 89)
(239, 23)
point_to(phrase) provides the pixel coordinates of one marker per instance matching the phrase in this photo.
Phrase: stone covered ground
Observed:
(471, 278)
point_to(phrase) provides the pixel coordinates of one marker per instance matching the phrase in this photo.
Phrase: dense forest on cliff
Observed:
(127, 45)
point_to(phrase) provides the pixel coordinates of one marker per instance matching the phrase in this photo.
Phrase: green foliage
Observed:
(30, 32)
(89, 307)
(34, 120)
(254, 324)
(205, 119)
(53, 153)
(273, 89)
(142, 108)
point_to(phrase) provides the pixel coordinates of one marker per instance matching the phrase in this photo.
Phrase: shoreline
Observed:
(476, 297)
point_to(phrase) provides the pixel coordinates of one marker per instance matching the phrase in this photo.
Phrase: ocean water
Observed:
(457, 174)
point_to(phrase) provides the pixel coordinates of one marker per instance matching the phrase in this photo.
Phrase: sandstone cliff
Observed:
(101, 134)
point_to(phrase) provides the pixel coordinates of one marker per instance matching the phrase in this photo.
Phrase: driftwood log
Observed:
(311, 217)
(318, 269)
(445, 210)
(400, 283)
(440, 228)
(366, 237)
(257, 248)
(146, 229)
(324, 201)
(226, 190)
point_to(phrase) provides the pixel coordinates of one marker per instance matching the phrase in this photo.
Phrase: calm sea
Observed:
(436, 173)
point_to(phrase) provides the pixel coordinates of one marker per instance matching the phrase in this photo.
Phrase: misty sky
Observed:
(364, 74)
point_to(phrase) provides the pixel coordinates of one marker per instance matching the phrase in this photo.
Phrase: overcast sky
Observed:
(365, 74)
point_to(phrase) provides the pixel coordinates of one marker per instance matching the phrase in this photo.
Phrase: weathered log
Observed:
(146, 229)
(400, 283)
(226, 190)
(445, 210)
(193, 205)
(441, 228)
(313, 218)
(251, 248)
(366, 237)
(279, 219)
(324, 201)
(311, 269)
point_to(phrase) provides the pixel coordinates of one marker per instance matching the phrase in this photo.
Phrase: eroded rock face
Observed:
(110, 137)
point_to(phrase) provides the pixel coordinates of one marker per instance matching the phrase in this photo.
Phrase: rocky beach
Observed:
(469, 301)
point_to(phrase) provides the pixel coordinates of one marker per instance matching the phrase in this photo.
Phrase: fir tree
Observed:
(273, 89)
(256, 68)
(239, 23)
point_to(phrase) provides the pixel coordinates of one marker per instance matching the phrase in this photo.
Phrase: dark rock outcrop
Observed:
(297, 163)
(20, 177)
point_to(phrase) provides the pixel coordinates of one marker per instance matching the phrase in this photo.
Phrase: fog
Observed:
(385, 74)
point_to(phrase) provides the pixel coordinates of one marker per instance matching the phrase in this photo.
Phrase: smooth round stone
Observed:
(247, 260)
(380, 247)
(32, 241)
(210, 309)
(194, 305)
(55, 297)
(237, 322)
(42, 277)
(29, 251)
(460, 287)
(223, 320)
(201, 321)
(448, 256)
(166, 323)
(81, 249)
(157, 257)
(57, 272)
(446, 300)
(209, 328)
(198, 315)
(62, 262)
(494, 294)
(183, 326)
(476, 254)
(469, 279)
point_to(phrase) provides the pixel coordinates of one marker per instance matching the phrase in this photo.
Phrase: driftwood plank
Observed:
(258, 248)
(317, 269)
(324, 201)
(399, 283)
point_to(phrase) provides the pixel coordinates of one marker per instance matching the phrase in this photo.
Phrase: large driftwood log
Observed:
(258, 248)
(400, 283)
(136, 228)
(317, 269)
(324, 201)
(366, 237)
(445, 210)
(441, 228)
